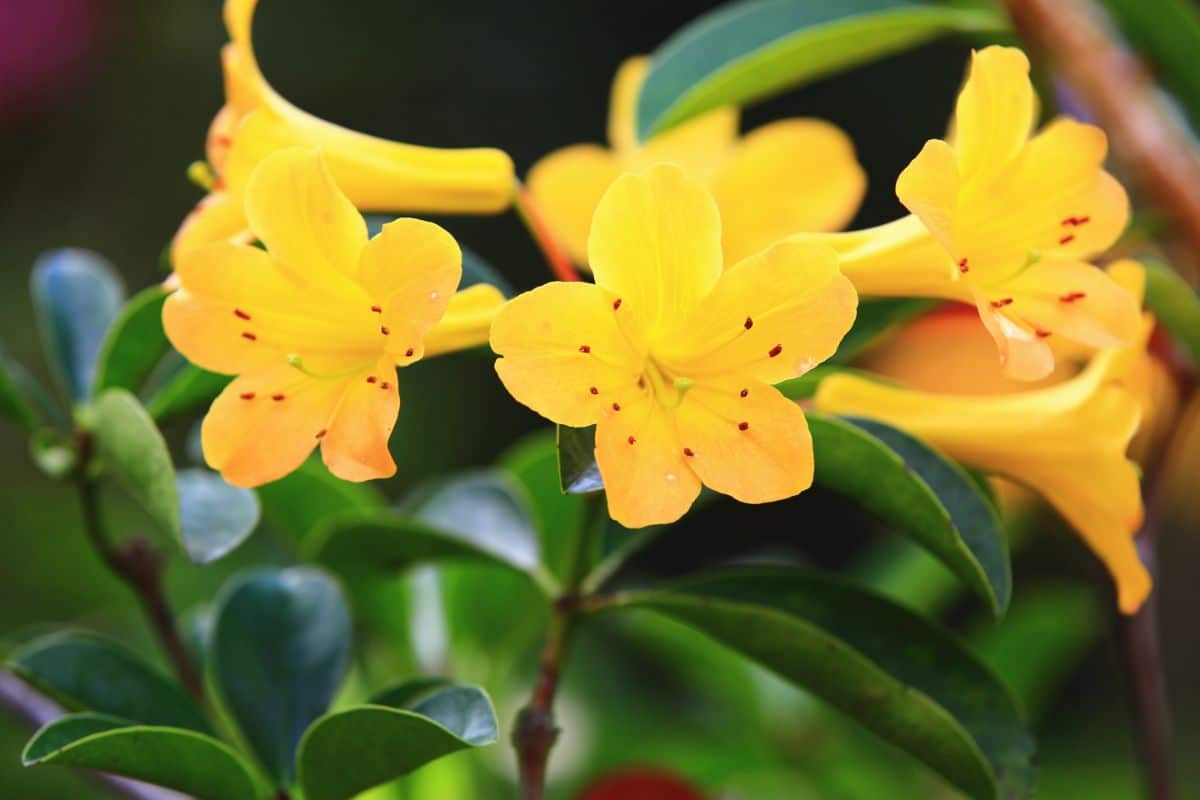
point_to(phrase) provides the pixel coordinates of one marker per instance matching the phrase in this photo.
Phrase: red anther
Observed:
(594, 390)
(408, 353)
(247, 395)
(776, 350)
(1071, 297)
(385, 386)
(1082, 220)
(616, 406)
(237, 312)
(278, 398)
(218, 184)
(377, 309)
(743, 426)
(384, 330)
(743, 392)
(616, 304)
(249, 335)
(321, 433)
(1002, 302)
(749, 323)
(1041, 333)
(224, 141)
(583, 348)
(687, 451)
(963, 266)
(1070, 237)
(371, 379)
(632, 440)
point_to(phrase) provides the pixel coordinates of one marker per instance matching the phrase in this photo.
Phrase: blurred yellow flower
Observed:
(788, 176)
(376, 174)
(673, 359)
(1006, 222)
(315, 327)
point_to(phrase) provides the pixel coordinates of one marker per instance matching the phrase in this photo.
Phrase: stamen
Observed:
(1002, 302)
(1070, 237)
(385, 386)
(384, 330)
(743, 426)
(408, 353)
(594, 390)
(743, 392)
(632, 440)
(377, 309)
(247, 395)
(682, 385)
(201, 174)
(371, 379)
(687, 451)
(250, 336)
(616, 304)
(1041, 333)
(583, 348)
(616, 406)
(749, 323)
(776, 350)
(237, 312)
(963, 266)
(1071, 297)
(278, 398)
(321, 433)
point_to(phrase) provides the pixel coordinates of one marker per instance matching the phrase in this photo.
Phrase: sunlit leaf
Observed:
(215, 516)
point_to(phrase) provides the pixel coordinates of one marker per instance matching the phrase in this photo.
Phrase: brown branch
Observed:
(536, 731)
(1116, 88)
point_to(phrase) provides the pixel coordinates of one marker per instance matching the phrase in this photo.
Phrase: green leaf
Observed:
(134, 452)
(279, 648)
(874, 319)
(183, 760)
(918, 492)
(87, 673)
(1167, 32)
(911, 683)
(296, 504)
(184, 389)
(752, 50)
(53, 451)
(349, 751)
(557, 516)
(135, 343)
(1175, 304)
(403, 695)
(215, 517)
(577, 470)
(19, 393)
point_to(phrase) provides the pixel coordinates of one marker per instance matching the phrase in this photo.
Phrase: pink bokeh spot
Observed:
(44, 48)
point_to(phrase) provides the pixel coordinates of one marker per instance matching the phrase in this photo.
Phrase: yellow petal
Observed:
(209, 336)
(774, 316)
(746, 440)
(622, 103)
(467, 321)
(1074, 300)
(995, 111)
(218, 218)
(646, 478)
(567, 186)
(355, 445)
(1024, 355)
(655, 244)
(928, 187)
(783, 178)
(562, 353)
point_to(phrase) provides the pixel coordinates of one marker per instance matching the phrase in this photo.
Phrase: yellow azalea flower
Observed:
(672, 359)
(315, 327)
(1006, 221)
(788, 176)
(1067, 442)
(376, 174)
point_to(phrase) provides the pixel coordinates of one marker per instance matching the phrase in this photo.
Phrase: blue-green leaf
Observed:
(577, 469)
(134, 344)
(215, 516)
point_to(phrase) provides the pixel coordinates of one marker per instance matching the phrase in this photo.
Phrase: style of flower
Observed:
(376, 174)
(314, 326)
(1006, 222)
(787, 176)
(672, 358)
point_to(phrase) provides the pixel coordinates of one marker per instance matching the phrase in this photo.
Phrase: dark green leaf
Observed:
(918, 492)
(906, 680)
(133, 451)
(1167, 32)
(488, 509)
(82, 672)
(178, 759)
(349, 751)
(558, 516)
(751, 50)
(296, 504)
(135, 343)
(1174, 303)
(19, 394)
(577, 470)
(875, 318)
(185, 388)
(215, 517)
(76, 295)
(403, 695)
(279, 649)
(805, 386)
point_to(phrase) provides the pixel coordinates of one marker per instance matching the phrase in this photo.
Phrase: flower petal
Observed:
(995, 111)
(218, 217)
(1074, 300)
(467, 322)
(928, 187)
(355, 446)
(562, 352)
(1024, 356)
(746, 440)
(773, 316)
(655, 243)
(568, 185)
(789, 176)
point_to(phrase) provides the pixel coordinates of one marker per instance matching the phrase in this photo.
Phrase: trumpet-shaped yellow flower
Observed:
(376, 174)
(788, 176)
(315, 327)
(1006, 221)
(1067, 442)
(672, 359)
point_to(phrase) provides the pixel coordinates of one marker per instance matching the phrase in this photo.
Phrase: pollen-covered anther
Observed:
(616, 304)
(247, 395)
(743, 392)
(237, 312)
(377, 309)
(616, 406)
(384, 329)
(743, 426)
(593, 390)
(632, 440)
(963, 266)
(1070, 237)
(371, 379)
(385, 386)
(748, 324)
(321, 433)
(687, 451)
(583, 348)
(408, 353)
(249, 336)
(1071, 297)
(1002, 302)
(776, 350)
(1041, 333)
(278, 398)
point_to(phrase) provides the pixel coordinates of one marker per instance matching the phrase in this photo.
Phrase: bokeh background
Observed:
(103, 104)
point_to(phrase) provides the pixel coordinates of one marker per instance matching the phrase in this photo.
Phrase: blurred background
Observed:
(104, 103)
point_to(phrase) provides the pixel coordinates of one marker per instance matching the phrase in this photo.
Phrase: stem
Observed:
(139, 564)
(554, 253)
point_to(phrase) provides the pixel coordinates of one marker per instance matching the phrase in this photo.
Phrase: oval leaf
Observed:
(186, 761)
(278, 651)
(134, 452)
(1175, 304)
(923, 495)
(350, 751)
(533, 462)
(135, 343)
(909, 682)
(751, 50)
(20, 394)
(577, 469)
(214, 516)
(87, 673)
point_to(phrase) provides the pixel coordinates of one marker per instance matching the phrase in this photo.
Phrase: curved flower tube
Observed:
(672, 358)
(1005, 221)
(787, 176)
(315, 327)
(376, 174)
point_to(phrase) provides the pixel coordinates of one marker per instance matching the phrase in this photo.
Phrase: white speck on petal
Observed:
(433, 296)
(804, 365)
(671, 477)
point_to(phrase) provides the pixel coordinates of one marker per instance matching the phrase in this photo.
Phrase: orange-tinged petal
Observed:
(995, 111)
(1074, 300)
(789, 176)
(562, 352)
(647, 480)
(210, 337)
(568, 185)
(774, 316)
(467, 321)
(218, 217)
(355, 445)
(746, 440)
(655, 244)
(1024, 355)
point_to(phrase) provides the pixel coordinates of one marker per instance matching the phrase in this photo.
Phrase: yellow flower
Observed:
(788, 176)
(1006, 222)
(315, 327)
(376, 174)
(672, 359)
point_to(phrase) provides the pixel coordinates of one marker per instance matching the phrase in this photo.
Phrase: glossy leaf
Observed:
(179, 759)
(184, 389)
(215, 517)
(133, 451)
(873, 321)
(909, 682)
(751, 50)
(87, 673)
(349, 751)
(299, 502)
(76, 295)
(279, 648)
(577, 469)
(404, 695)
(134, 344)
(1175, 305)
